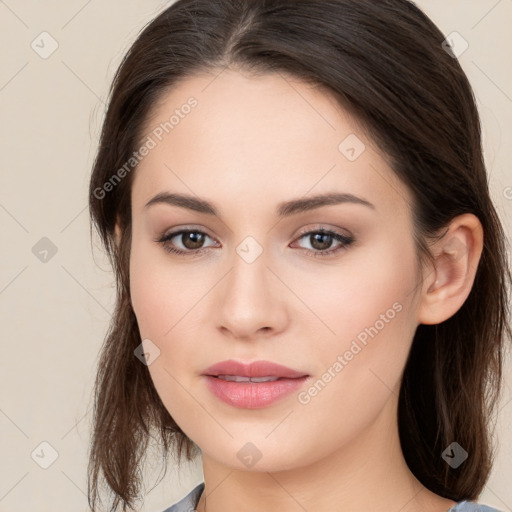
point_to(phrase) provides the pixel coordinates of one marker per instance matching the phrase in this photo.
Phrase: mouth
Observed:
(254, 385)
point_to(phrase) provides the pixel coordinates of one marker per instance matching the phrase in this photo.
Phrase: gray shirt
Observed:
(189, 504)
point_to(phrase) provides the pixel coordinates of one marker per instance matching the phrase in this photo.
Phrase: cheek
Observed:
(371, 295)
(161, 295)
(360, 370)
(149, 302)
(167, 304)
(371, 311)
(162, 312)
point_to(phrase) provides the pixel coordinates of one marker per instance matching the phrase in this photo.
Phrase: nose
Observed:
(251, 301)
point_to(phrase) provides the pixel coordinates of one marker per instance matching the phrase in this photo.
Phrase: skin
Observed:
(251, 143)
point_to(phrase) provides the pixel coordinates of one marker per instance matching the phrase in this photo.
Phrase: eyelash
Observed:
(345, 241)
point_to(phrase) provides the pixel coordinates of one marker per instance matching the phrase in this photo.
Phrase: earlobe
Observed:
(447, 286)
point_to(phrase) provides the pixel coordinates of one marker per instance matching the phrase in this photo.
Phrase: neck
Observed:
(368, 473)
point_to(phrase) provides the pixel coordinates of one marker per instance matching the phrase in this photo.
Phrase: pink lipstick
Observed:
(253, 385)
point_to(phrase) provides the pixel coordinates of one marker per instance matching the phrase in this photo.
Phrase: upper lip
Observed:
(254, 369)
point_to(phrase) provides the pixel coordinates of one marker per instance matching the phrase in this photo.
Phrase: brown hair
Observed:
(384, 60)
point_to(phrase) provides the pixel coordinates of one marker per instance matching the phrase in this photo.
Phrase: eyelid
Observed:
(179, 229)
(345, 239)
(302, 231)
(323, 227)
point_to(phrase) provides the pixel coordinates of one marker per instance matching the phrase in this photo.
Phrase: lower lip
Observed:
(252, 395)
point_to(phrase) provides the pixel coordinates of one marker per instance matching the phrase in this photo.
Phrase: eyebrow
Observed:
(284, 209)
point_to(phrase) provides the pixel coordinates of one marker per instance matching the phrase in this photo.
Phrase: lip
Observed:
(252, 395)
(254, 369)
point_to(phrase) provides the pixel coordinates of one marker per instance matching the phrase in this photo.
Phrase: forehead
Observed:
(258, 137)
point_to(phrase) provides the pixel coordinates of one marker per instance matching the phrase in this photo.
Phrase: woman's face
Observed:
(268, 286)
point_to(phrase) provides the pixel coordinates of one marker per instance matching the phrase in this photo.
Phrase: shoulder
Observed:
(189, 502)
(471, 506)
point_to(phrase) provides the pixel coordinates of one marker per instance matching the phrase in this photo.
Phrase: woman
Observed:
(312, 278)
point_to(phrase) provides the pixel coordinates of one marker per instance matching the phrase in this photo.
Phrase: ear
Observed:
(446, 287)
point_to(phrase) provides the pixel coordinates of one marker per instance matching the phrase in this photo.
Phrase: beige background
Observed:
(55, 313)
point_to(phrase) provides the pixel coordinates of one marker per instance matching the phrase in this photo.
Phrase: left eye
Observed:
(322, 239)
(192, 242)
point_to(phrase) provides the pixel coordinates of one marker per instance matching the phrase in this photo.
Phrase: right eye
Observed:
(191, 241)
